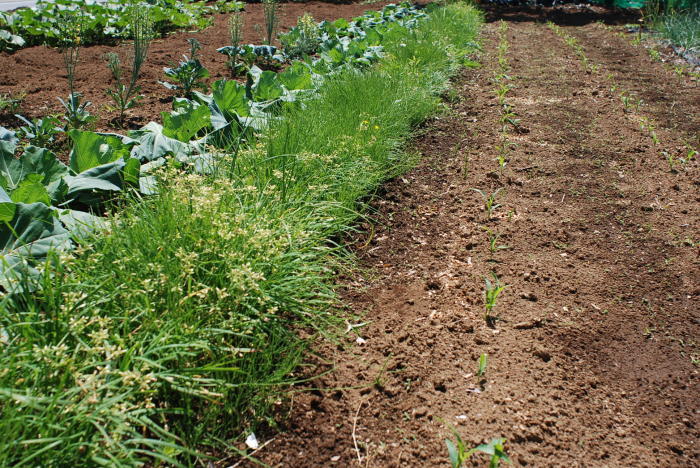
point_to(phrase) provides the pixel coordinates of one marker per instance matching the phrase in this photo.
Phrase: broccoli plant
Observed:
(39, 132)
(190, 74)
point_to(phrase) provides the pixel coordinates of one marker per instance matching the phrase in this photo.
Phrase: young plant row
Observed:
(41, 198)
(502, 80)
(573, 43)
(631, 106)
(508, 120)
(458, 450)
(53, 22)
(172, 332)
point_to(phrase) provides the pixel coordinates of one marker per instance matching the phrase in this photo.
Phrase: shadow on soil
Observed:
(562, 15)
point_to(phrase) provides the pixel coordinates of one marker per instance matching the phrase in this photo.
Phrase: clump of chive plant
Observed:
(271, 14)
(125, 93)
(71, 29)
(235, 31)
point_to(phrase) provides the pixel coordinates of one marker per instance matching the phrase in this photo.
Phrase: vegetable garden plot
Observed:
(170, 330)
(102, 164)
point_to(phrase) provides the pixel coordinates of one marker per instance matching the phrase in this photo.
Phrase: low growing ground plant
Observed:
(40, 132)
(10, 104)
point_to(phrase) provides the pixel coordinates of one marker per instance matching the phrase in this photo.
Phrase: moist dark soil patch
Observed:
(39, 73)
(577, 14)
(593, 361)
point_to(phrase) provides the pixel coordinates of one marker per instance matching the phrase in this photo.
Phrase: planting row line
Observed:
(632, 104)
(458, 450)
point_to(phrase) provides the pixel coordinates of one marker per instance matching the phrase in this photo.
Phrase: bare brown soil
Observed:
(593, 361)
(39, 72)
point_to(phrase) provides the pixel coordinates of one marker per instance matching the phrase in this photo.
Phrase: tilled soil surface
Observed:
(39, 73)
(593, 360)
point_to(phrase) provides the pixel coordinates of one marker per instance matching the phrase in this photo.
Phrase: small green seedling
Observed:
(10, 104)
(673, 161)
(459, 453)
(483, 361)
(489, 200)
(39, 132)
(493, 241)
(501, 91)
(491, 293)
(76, 113)
(670, 159)
(626, 100)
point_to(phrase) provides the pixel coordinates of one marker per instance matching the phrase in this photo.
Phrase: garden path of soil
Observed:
(591, 362)
(39, 73)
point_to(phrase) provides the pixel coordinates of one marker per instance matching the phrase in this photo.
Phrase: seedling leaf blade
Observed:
(453, 452)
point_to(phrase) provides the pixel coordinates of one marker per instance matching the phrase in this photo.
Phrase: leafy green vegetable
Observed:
(39, 132)
(295, 77)
(33, 231)
(154, 144)
(107, 177)
(9, 41)
(104, 20)
(93, 149)
(189, 75)
(7, 207)
(230, 98)
(267, 87)
(184, 124)
(31, 190)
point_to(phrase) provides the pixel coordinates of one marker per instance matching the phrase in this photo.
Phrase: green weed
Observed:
(682, 27)
(10, 104)
(654, 54)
